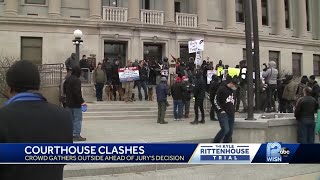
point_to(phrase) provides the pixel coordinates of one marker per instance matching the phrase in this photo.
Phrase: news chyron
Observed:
(275, 152)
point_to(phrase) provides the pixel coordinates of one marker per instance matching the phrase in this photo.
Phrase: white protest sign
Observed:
(195, 46)
(210, 73)
(198, 60)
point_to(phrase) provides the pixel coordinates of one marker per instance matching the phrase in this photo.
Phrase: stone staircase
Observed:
(138, 110)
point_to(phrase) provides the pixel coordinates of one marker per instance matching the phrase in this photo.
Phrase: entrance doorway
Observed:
(152, 51)
(184, 53)
(116, 50)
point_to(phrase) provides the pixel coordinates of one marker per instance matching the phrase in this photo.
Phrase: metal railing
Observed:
(86, 76)
(51, 74)
(115, 14)
(152, 17)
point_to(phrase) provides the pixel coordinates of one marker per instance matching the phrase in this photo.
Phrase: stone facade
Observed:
(213, 20)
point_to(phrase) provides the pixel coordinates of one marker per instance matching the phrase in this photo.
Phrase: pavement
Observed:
(222, 172)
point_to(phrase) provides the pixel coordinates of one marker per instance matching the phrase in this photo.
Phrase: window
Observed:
(146, 4)
(41, 2)
(316, 65)
(113, 3)
(239, 11)
(287, 13)
(265, 13)
(177, 7)
(1, 0)
(31, 49)
(296, 64)
(308, 15)
(275, 56)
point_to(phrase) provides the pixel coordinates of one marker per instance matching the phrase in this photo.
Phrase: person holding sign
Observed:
(128, 86)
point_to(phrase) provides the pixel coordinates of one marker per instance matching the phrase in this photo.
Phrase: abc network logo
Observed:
(275, 152)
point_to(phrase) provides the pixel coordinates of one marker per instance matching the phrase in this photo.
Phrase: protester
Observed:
(27, 117)
(191, 66)
(181, 71)
(71, 62)
(214, 86)
(243, 85)
(128, 86)
(315, 87)
(116, 85)
(142, 83)
(199, 95)
(85, 67)
(270, 75)
(74, 101)
(303, 84)
(99, 79)
(289, 94)
(177, 95)
(305, 109)
(225, 102)
(186, 98)
(162, 93)
(107, 66)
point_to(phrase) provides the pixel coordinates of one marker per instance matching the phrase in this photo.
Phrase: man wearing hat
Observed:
(27, 117)
(177, 95)
(162, 93)
(225, 105)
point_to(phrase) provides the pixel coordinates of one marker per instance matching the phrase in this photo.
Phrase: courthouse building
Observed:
(42, 30)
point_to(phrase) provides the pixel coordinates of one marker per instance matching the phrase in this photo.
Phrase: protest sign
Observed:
(210, 73)
(129, 74)
(196, 46)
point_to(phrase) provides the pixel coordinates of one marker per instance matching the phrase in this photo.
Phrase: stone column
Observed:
(202, 7)
(134, 11)
(280, 20)
(169, 14)
(55, 8)
(95, 7)
(11, 7)
(302, 18)
(230, 14)
(259, 12)
(315, 17)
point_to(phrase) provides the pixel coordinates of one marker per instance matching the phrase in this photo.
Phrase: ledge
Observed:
(100, 23)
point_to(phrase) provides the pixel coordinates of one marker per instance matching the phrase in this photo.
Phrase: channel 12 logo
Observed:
(275, 152)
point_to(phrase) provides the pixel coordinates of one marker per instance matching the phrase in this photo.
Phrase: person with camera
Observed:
(270, 74)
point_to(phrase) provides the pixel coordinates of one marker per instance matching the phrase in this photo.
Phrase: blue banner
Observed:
(160, 153)
(96, 153)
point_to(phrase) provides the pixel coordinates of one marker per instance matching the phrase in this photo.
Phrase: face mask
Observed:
(234, 88)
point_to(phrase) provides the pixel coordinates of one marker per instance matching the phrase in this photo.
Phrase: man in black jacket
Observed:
(225, 104)
(116, 85)
(214, 86)
(314, 86)
(85, 67)
(199, 92)
(142, 83)
(74, 101)
(305, 109)
(28, 118)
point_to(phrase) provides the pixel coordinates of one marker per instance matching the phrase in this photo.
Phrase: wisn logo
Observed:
(275, 152)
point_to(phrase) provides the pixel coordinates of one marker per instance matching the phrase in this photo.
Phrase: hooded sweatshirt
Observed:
(271, 75)
(225, 100)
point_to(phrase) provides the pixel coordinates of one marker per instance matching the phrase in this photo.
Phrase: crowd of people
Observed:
(225, 92)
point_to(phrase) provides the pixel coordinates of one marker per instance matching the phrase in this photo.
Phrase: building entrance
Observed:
(116, 50)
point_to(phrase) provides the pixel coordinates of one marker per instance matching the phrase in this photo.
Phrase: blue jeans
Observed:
(143, 85)
(76, 121)
(177, 109)
(226, 122)
(306, 132)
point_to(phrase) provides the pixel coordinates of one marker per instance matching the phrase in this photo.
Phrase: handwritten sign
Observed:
(129, 74)
(196, 46)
